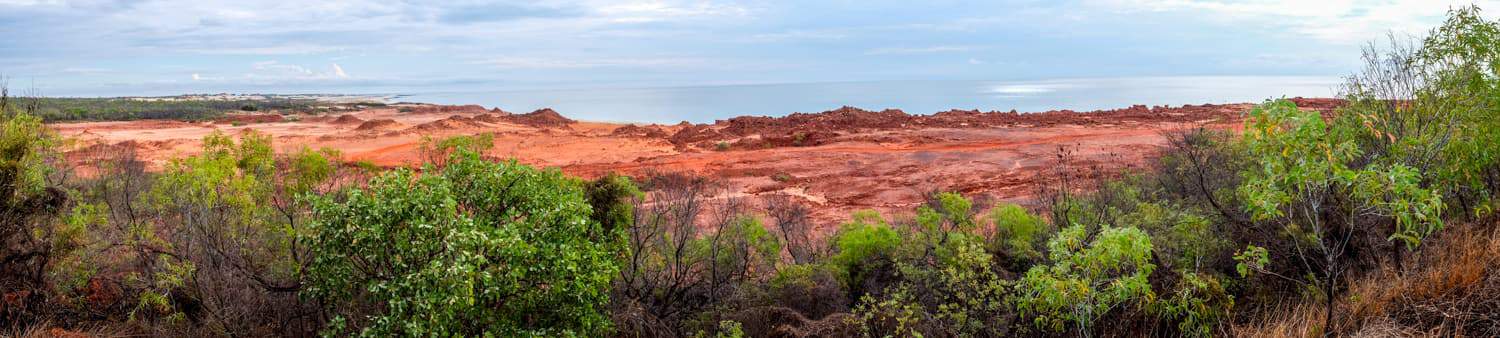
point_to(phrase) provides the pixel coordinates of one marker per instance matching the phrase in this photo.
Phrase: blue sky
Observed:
(107, 47)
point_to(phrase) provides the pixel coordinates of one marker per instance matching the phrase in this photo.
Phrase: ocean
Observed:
(704, 104)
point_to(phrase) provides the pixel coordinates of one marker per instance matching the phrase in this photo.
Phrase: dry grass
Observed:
(45, 329)
(1450, 288)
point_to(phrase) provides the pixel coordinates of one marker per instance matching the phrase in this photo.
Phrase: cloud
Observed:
(642, 42)
(653, 11)
(499, 12)
(87, 70)
(918, 50)
(275, 71)
(799, 35)
(1023, 89)
(1348, 22)
(572, 63)
(285, 49)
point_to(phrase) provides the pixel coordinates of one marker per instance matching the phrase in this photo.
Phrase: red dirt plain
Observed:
(838, 161)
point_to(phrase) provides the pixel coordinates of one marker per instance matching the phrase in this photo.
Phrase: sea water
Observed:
(704, 104)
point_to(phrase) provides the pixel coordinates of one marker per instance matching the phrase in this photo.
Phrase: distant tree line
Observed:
(55, 109)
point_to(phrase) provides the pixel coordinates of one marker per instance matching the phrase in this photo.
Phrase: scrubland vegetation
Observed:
(1375, 220)
(123, 109)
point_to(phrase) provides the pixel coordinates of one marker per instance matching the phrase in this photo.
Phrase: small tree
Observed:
(1303, 180)
(479, 248)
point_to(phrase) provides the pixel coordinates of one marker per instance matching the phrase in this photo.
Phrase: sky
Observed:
(155, 47)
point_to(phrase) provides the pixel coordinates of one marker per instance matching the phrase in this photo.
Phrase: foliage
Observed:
(609, 197)
(1016, 232)
(1198, 304)
(864, 238)
(1088, 276)
(1184, 239)
(741, 249)
(895, 316)
(478, 248)
(30, 202)
(114, 109)
(436, 152)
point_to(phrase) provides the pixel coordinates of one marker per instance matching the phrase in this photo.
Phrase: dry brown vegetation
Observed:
(1451, 289)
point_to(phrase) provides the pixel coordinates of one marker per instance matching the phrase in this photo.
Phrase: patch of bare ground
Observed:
(840, 161)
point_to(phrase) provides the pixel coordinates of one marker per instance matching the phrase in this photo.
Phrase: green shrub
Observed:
(1087, 277)
(743, 247)
(866, 237)
(610, 198)
(1198, 304)
(1016, 232)
(478, 249)
(812, 289)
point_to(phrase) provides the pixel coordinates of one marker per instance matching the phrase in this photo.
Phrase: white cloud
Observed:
(1345, 22)
(653, 11)
(275, 71)
(285, 49)
(1022, 89)
(24, 3)
(799, 35)
(918, 50)
(86, 70)
(571, 63)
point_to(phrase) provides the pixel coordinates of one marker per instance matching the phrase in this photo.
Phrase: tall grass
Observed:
(1450, 293)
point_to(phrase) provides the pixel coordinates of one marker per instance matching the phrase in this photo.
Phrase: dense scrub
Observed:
(1304, 224)
(118, 109)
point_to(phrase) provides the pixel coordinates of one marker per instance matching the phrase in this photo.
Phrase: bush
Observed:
(479, 248)
(1087, 277)
(861, 242)
(814, 290)
(30, 202)
(1016, 233)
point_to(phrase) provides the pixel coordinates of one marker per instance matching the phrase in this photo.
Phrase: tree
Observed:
(1304, 178)
(235, 221)
(478, 248)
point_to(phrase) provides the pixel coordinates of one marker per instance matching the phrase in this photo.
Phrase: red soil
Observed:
(248, 118)
(382, 124)
(348, 119)
(544, 118)
(840, 161)
(441, 109)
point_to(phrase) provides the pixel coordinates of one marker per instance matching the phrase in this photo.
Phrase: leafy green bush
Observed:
(1087, 277)
(865, 238)
(479, 248)
(740, 249)
(30, 202)
(1016, 232)
(1302, 165)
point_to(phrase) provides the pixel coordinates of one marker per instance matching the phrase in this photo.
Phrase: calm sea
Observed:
(708, 103)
